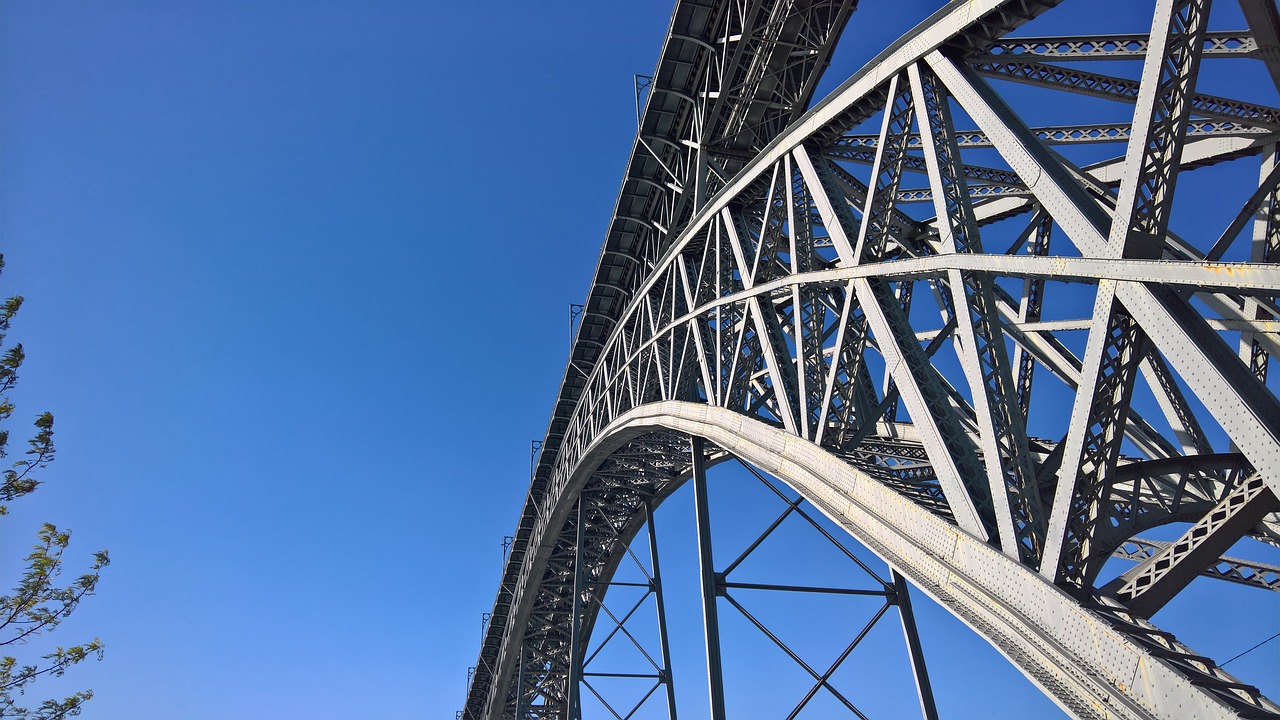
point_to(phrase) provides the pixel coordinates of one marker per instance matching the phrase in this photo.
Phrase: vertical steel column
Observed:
(668, 676)
(573, 705)
(710, 619)
(700, 179)
(520, 684)
(914, 649)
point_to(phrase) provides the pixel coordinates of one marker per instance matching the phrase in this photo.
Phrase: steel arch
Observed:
(1092, 668)
(761, 302)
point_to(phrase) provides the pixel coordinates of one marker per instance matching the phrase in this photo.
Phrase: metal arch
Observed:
(759, 302)
(1087, 671)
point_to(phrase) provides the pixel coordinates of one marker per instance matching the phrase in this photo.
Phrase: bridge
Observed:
(957, 307)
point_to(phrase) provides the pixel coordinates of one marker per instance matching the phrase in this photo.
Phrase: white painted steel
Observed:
(1089, 669)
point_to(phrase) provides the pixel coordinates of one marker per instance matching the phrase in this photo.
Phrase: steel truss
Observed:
(761, 291)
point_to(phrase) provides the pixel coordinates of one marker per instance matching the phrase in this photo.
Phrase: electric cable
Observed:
(1255, 647)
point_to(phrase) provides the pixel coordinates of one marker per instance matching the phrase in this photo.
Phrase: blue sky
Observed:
(296, 279)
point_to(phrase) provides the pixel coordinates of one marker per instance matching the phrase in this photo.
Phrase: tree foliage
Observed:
(40, 602)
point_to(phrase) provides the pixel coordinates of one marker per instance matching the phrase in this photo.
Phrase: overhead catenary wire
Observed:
(1255, 647)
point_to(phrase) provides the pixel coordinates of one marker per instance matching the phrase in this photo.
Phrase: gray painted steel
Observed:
(756, 290)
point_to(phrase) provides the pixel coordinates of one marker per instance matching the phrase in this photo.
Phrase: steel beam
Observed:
(1124, 90)
(1112, 47)
(669, 677)
(1264, 23)
(983, 354)
(573, 701)
(1148, 587)
(710, 591)
(924, 689)
(1230, 569)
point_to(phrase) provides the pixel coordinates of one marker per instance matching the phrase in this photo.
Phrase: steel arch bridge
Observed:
(759, 296)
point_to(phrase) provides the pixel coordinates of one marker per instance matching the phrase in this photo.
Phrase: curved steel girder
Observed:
(1148, 494)
(1244, 278)
(1066, 135)
(849, 97)
(1074, 653)
(610, 558)
(647, 468)
(1180, 486)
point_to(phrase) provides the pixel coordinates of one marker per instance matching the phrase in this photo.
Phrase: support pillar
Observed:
(923, 687)
(573, 702)
(710, 619)
(668, 677)
(520, 709)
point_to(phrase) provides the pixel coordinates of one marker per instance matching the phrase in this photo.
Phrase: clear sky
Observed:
(297, 277)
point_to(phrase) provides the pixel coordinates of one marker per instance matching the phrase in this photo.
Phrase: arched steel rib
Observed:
(1089, 666)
